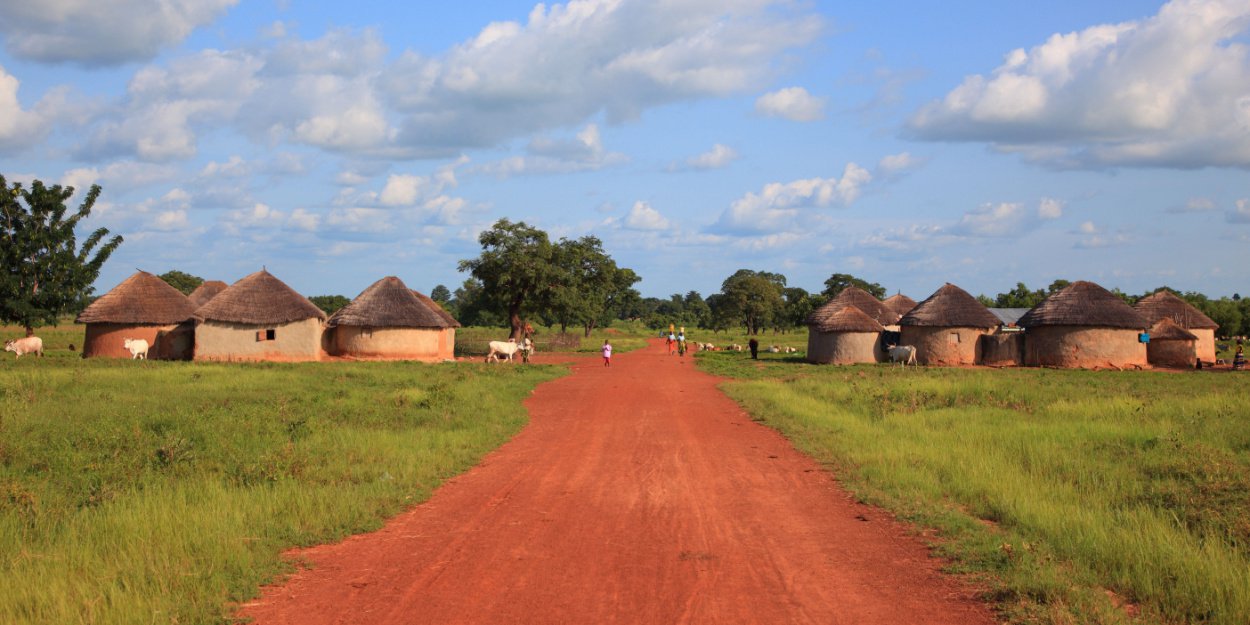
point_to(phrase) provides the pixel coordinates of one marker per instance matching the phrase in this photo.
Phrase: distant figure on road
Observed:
(669, 342)
(755, 349)
(607, 353)
(681, 345)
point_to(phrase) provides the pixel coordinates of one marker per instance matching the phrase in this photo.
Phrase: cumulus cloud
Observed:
(778, 206)
(719, 156)
(792, 103)
(1050, 208)
(102, 33)
(1169, 90)
(1240, 214)
(546, 155)
(643, 217)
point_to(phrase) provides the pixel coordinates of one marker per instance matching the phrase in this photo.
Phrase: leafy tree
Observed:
(839, 281)
(517, 270)
(441, 294)
(43, 271)
(1019, 297)
(589, 288)
(798, 305)
(1057, 285)
(184, 282)
(329, 304)
(1227, 313)
(722, 317)
(754, 298)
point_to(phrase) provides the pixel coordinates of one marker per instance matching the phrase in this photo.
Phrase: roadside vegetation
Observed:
(1071, 496)
(146, 491)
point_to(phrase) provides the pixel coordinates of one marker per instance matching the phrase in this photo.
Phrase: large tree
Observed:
(839, 281)
(43, 270)
(589, 289)
(754, 298)
(182, 281)
(517, 269)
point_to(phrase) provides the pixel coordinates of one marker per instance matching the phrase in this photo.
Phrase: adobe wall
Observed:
(843, 348)
(944, 346)
(293, 342)
(1002, 349)
(1205, 348)
(424, 344)
(1171, 353)
(1083, 347)
(166, 342)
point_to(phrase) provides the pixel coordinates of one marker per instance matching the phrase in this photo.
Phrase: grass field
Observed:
(1073, 496)
(138, 492)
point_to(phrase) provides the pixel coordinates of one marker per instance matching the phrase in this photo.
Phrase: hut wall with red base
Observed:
(296, 341)
(1169, 353)
(423, 344)
(843, 348)
(166, 342)
(937, 345)
(1083, 347)
(1205, 348)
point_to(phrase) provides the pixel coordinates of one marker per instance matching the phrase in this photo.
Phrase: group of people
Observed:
(676, 342)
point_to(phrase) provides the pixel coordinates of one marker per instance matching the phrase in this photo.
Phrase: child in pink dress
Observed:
(607, 353)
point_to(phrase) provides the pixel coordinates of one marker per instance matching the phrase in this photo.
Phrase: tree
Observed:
(839, 281)
(798, 305)
(441, 294)
(1019, 297)
(329, 304)
(589, 288)
(43, 271)
(517, 270)
(184, 282)
(753, 297)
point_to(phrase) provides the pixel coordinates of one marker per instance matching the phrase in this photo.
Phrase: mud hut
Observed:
(206, 291)
(861, 299)
(1171, 345)
(947, 328)
(388, 321)
(142, 307)
(900, 304)
(1164, 304)
(259, 318)
(1083, 326)
(843, 336)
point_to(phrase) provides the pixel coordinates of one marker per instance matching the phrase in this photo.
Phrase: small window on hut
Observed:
(266, 335)
(954, 338)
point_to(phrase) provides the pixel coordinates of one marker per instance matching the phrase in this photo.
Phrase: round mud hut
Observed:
(206, 291)
(1083, 326)
(142, 307)
(1164, 304)
(259, 318)
(1171, 345)
(843, 336)
(863, 300)
(900, 304)
(947, 328)
(388, 321)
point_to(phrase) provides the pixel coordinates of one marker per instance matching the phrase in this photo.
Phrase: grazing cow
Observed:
(28, 345)
(138, 348)
(507, 349)
(904, 354)
(789, 350)
(773, 349)
(735, 347)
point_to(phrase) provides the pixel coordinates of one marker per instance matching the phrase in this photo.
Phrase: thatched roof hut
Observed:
(258, 318)
(392, 322)
(142, 307)
(1171, 345)
(899, 303)
(1084, 326)
(1164, 304)
(844, 336)
(206, 291)
(859, 298)
(946, 328)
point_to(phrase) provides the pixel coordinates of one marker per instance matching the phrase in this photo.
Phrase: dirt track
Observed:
(638, 494)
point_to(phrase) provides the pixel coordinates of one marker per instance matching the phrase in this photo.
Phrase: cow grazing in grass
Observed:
(903, 354)
(138, 348)
(28, 345)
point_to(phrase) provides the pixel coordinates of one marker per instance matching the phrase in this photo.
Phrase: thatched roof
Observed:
(438, 309)
(387, 303)
(1084, 304)
(899, 303)
(140, 299)
(1165, 304)
(259, 299)
(950, 307)
(859, 298)
(1167, 330)
(206, 291)
(847, 319)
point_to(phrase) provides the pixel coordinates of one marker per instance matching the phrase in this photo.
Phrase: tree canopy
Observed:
(329, 304)
(754, 298)
(184, 282)
(839, 281)
(43, 270)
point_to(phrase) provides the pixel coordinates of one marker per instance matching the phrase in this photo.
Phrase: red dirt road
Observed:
(637, 494)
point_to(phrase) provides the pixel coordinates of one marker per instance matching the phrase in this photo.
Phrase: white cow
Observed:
(507, 349)
(138, 348)
(905, 354)
(28, 345)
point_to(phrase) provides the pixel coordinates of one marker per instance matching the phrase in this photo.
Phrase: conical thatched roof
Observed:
(206, 291)
(259, 299)
(438, 309)
(859, 298)
(387, 303)
(950, 307)
(1084, 304)
(1165, 304)
(847, 319)
(1167, 330)
(141, 299)
(899, 303)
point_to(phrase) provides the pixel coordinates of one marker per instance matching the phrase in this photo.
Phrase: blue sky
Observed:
(911, 144)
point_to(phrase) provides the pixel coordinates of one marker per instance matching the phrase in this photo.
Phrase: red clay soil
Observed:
(639, 493)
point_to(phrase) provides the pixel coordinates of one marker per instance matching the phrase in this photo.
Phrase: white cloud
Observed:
(1195, 205)
(792, 103)
(1005, 219)
(1088, 227)
(102, 33)
(719, 156)
(1169, 90)
(777, 207)
(1050, 208)
(643, 217)
(401, 190)
(1240, 214)
(170, 220)
(545, 155)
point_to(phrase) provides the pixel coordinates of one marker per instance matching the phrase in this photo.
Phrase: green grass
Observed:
(1064, 492)
(136, 492)
(471, 342)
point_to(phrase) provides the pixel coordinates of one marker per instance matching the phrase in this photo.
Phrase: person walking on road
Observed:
(607, 353)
